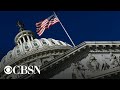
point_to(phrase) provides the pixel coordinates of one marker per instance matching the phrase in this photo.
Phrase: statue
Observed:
(92, 64)
(78, 71)
(114, 60)
(81, 68)
(20, 25)
(104, 65)
(119, 61)
(73, 71)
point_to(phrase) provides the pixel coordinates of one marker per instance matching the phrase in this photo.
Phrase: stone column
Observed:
(31, 37)
(20, 41)
(28, 38)
(24, 39)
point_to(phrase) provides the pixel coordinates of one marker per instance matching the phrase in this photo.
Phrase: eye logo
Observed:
(22, 69)
(8, 69)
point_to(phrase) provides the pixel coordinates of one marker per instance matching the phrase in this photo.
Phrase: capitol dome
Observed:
(29, 50)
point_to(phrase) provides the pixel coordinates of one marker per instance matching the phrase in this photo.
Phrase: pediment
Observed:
(88, 60)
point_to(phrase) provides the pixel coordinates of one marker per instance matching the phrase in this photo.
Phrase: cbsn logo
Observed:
(22, 69)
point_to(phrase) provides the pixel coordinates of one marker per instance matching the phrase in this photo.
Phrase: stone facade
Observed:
(59, 60)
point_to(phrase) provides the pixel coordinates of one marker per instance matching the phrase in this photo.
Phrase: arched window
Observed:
(26, 47)
(52, 42)
(44, 42)
(60, 43)
(18, 51)
(35, 44)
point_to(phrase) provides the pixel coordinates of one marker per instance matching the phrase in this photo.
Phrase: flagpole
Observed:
(64, 30)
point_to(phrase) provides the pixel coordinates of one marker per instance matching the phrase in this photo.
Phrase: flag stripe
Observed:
(41, 26)
(44, 23)
(41, 31)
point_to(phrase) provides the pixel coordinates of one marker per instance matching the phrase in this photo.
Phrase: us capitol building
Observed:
(59, 60)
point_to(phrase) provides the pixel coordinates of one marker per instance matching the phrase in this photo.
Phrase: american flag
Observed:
(45, 24)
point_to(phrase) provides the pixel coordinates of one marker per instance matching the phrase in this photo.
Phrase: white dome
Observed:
(3, 61)
(29, 50)
(35, 44)
(28, 47)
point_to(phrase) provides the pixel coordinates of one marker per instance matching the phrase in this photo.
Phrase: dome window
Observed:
(44, 42)
(35, 44)
(26, 47)
(18, 51)
(60, 43)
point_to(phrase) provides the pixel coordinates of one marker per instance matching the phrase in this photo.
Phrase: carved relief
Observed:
(114, 60)
(95, 64)
(92, 63)
(78, 70)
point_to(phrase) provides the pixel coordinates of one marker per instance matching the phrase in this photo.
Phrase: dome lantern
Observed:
(24, 35)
